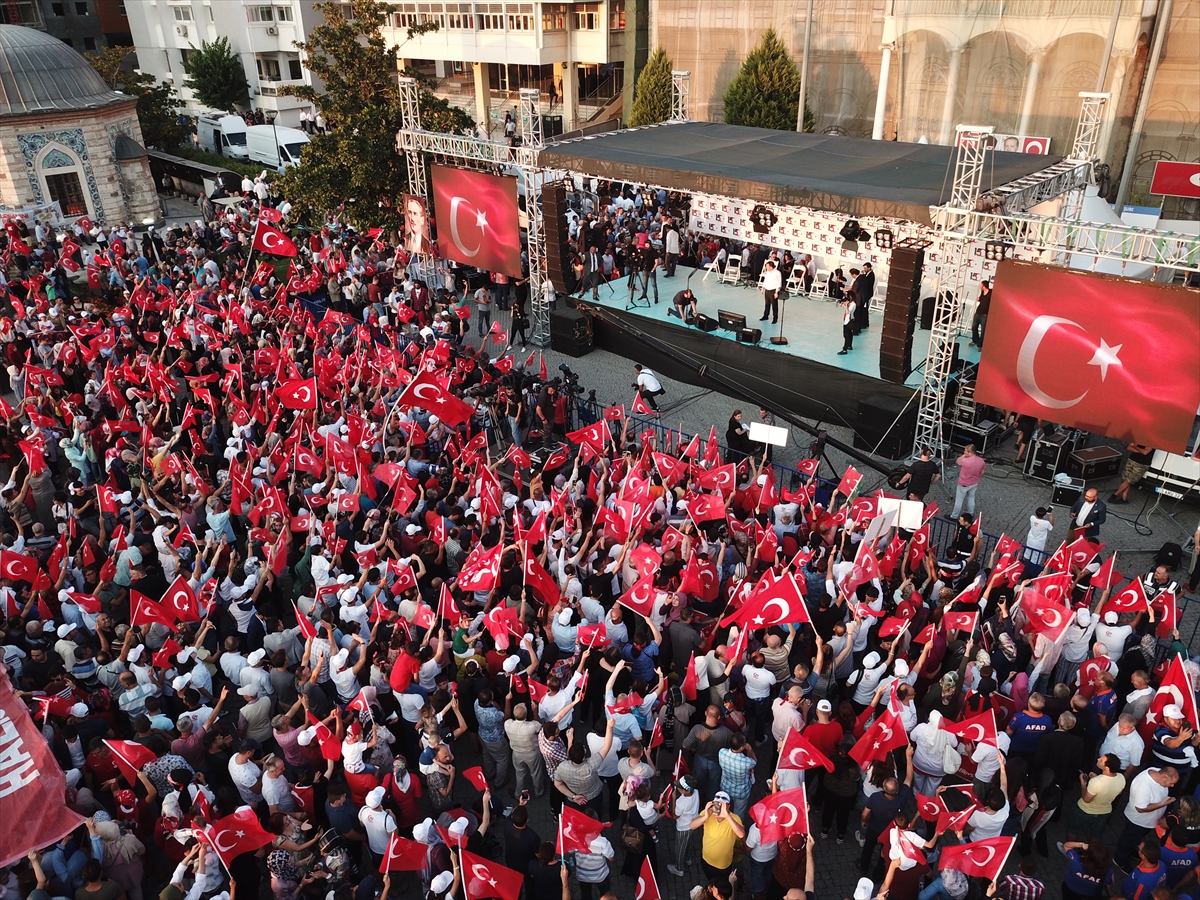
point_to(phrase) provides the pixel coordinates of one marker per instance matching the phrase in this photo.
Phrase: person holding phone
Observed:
(722, 830)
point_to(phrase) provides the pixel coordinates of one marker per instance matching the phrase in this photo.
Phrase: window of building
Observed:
(260, 13)
(58, 9)
(210, 13)
(459, 67)
(587, 16)
(460, 17)
(183, 13)
(295, 72)
(89, 43)
(616, 15)
(268, 68)
(66, 189)
(185, 54)
(723, 14)
(68, 42)
(490, 15)
(431, 12)
(21, 12)
(554, 17)
(285, 14)
(81, 9)
(407, 17)
(520, 16)
(685, 14)
(840, 16)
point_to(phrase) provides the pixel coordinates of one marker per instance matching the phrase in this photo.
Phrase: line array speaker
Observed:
(570, 332)
(558, 249)
(900, 313)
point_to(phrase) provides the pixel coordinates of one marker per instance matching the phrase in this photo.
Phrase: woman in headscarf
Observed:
(121, 856)
(286, 880)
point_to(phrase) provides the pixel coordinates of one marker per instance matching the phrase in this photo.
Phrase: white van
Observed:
(274, 145)
(222, 134)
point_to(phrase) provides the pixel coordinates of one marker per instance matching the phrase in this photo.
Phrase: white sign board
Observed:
(762, 433)
(909, 512)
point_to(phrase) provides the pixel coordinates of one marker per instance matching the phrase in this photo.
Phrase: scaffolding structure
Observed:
(681, 92)
(414, 141)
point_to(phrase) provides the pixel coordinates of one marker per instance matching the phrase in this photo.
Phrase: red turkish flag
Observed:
(539, 581)
(477, 219)
(147, 612)
(1079, 349)
(798, 752)
(300, 394)
(480, 570)
(917, 548)
(978, 859)
(981, 728)
(577, 830)
(180, 600)
(307, 629)
(403, 855)
(640, 598)
(425, 391)
(17, 566)
(1082, 551)
(647, 885)
(776, 601)
(850, 481)
(484, 878)
(1132, 598)
(960, 621)
(1175, 690)
(130, 756)
(1166, 613)
(640, 406)
(1056, 588)
(611, 413)
(269, 239)
(781, 815)
(237, 834)
(719, 478)
(1107, 575)
(705, 508)
(1046, 616)
(885, 735)
(476, 777)
(595, 436)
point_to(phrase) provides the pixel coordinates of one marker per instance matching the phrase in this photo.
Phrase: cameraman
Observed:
(648, 386)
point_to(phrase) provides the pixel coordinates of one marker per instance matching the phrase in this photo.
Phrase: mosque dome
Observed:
(41, 74)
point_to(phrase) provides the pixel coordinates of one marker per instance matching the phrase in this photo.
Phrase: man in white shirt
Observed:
(1124, 741)
(772, 283)
(648, 386)
(555, 701)
(1113, 636)
(759, 681)
(378, 824)
(246, 775)
(786, 715)
(988, 821)
(1075, 642)
(1149, 796)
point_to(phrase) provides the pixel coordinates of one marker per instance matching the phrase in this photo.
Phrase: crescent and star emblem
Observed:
(1104, 357)
(970, 854)
(420, 388)
(480, 222)
(482, 873)
(795, 815)
(967, 733)
(641, 889)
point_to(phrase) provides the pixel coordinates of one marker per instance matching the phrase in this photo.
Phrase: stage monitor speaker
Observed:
(927, 304)
(874, 430)
(749, 335)
(558, 248)
(706, 323)
(570, 325)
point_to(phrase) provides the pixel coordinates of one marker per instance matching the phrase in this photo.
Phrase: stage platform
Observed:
(812, 325)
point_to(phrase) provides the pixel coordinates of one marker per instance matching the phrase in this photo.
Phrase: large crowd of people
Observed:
(283, 552)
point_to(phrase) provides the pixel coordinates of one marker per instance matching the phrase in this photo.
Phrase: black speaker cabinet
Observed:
(558, 248)
(900, 313)
(927, 313)
(874, 430)
(749, 335)
(705, 323)
(570, 332)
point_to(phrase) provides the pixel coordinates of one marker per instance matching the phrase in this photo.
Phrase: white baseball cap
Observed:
(256, 657)
(249, 690)
(441, 882)
(306, 736)
(410, 530)
(79, 710)
(564, 617)
(864, 890)
(1110, 618)
(1083, 617)
(375, 797)
(510, 664)
(871, 660)
(824, 706)
(1172, 711)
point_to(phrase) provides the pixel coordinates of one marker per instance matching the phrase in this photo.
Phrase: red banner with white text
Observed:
(32, 786)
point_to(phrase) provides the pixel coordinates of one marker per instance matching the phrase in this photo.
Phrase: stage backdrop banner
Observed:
(1111, 355)
(476, 217)
(32, 786)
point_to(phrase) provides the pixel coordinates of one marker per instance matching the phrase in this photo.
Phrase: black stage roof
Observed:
(855, 176)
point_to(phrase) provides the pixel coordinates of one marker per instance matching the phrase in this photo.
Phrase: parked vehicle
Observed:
(222, 134)
(274, 146)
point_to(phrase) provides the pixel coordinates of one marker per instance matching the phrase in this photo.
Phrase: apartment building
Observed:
(85, 25)
(262, 33)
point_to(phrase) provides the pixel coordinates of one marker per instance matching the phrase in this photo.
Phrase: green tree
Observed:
(652, 93)
(766, 90)
(157, 103)
(354, 166)
(216, 75)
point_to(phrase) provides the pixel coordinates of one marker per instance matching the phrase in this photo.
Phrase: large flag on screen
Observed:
(476, 215)
(1111, 355)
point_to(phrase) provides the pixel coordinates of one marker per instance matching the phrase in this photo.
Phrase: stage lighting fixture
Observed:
(851, 230)
(884, 239)
(996, 250)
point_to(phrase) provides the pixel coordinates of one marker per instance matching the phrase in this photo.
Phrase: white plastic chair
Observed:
(733, 270)
(821, 283)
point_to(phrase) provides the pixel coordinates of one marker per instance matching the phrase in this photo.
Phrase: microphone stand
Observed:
(780, 340)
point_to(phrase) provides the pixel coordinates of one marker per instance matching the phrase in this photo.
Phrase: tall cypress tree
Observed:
(764, 93)
(652, 93)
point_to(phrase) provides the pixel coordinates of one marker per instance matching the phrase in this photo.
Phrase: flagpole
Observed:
(1007, 853)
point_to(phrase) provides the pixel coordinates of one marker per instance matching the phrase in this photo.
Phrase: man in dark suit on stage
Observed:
(864, 290)
(593, 266)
